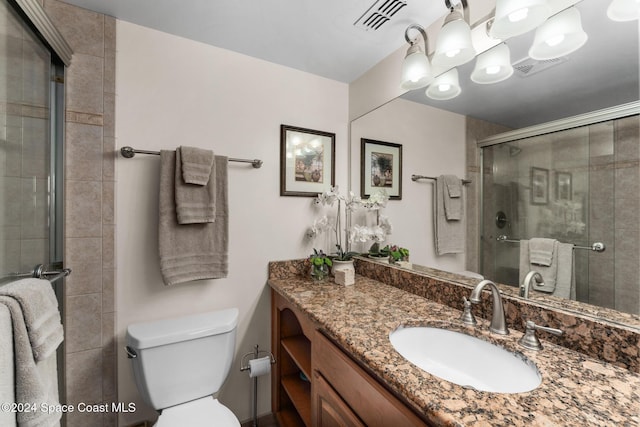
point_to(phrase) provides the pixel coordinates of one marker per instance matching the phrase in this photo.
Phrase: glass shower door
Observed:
(26, 149)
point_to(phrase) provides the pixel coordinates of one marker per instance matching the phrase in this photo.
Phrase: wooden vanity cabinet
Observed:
(315, 384)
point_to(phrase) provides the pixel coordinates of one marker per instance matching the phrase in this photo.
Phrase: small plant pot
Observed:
(384, 259)
(341, 265)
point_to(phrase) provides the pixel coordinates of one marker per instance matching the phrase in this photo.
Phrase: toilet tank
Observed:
(181, 359)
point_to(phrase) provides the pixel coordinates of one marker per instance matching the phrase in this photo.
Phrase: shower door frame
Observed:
(587, 119)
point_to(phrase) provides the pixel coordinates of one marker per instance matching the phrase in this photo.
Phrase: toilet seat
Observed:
(204, 412)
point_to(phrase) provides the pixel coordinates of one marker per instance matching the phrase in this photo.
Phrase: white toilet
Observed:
(179, 363)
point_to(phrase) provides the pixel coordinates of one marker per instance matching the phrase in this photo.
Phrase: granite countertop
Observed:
(576, 390)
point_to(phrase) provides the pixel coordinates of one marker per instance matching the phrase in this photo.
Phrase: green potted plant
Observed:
(320, 265)
(378, 254)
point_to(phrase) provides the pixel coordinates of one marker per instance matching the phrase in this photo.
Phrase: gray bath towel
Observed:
(34, 382)
(449, 235)
(191, 251)
(41, 315)
(196, 165)
(559, 278)
(194, 203)
(541, 251)
(452, 197)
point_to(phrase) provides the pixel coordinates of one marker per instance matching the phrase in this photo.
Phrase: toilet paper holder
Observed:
(244, 366)
(257, 353)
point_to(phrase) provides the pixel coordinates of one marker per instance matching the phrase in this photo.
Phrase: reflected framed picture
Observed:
(539, 186)
(564, 190)
(380, 168)
(307, 161)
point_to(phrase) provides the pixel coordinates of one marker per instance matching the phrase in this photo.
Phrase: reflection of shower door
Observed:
(580, 186)
(28, 233)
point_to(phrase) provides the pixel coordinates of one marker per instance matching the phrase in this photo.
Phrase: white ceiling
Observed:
(316, 36)
(319, 37)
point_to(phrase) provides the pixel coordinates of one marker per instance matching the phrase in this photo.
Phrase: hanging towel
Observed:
(194, 203)
(39, 306)
(559, 277)
(541, 251)
(7, 378)
(34, 382)
(196, 165)
(453, 208)
(191, 251)
(566, 283)
(449, 235)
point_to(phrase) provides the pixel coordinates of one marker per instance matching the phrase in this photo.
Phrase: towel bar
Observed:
(39, 272)
(417, 177)
(129, 152)
(595, 247)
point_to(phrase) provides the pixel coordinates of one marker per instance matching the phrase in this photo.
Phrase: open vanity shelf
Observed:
(291, 382)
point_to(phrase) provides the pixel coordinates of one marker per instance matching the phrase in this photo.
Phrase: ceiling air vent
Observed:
(528, 66)
(379, 13)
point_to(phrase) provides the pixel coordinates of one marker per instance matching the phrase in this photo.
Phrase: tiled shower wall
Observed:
(90, 370)
(614, 190)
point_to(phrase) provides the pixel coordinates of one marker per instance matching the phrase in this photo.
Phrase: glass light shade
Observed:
(515, 17)
(416, 70)
(624, 10)
(559, 36)
(493, 66)
(445, 86)
(454, 46)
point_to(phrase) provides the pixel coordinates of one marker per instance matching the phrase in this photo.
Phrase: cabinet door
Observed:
(330, 409)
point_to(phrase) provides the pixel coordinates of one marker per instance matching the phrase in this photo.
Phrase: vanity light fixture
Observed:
(624, 10)
(416, 68)
(515, 17)
(560, 35)
(454, 46)
(445, 86)
(493, 66)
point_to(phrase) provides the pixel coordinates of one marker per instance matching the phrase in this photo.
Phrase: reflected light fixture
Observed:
(445, 86)
(454, 46)
(515, 17)
(561, 35)
(623, 10)
(493, 66)
(416, 69)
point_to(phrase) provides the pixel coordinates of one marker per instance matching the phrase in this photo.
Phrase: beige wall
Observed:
(433, 143)
(89, 217)
(171, 92)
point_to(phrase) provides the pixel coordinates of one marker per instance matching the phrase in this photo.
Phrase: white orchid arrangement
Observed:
(357, 233)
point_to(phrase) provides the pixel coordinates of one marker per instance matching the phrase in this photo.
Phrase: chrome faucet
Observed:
(498, 320)
(529, 278)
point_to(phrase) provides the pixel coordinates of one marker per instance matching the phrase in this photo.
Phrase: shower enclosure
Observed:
(30, 94)
(579, 185)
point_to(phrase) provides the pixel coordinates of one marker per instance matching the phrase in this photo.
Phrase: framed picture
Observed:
(539, 186)
(380, 168)
(307, 161)
(564, 190)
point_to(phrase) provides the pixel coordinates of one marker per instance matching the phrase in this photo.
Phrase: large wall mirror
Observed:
(441, 137)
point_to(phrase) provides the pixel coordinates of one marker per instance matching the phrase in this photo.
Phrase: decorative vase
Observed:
(319, 272)
(341, 265)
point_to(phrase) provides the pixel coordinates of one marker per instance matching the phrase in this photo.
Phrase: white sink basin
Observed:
(465, 360)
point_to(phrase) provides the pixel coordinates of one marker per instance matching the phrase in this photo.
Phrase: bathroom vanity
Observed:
(337, 366)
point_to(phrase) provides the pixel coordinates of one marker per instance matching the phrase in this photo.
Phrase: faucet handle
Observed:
(467, 316)
(530, 341)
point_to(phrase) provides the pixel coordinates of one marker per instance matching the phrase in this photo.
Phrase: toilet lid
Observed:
(205, 412)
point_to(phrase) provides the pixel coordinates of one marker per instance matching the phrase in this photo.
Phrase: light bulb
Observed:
(444, 87)
(495, 69)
